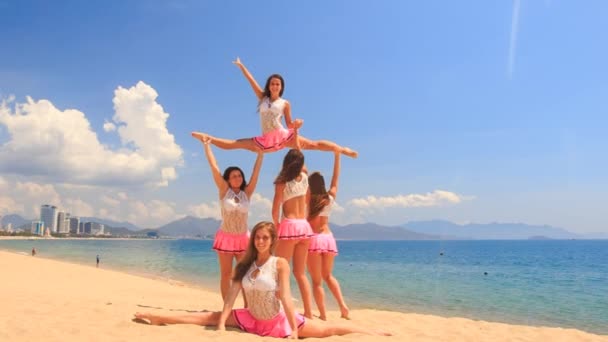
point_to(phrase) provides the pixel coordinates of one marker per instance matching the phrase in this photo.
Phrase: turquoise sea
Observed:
(537, 282)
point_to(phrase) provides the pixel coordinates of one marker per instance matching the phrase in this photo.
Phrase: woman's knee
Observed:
(326, 276)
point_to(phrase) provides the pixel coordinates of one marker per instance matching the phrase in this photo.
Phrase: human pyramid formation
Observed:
(263, 256)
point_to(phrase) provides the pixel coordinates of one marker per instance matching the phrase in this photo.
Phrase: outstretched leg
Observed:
(326, 329)
(332, 283)
(198, 318)
(228, 144)
(322, 145)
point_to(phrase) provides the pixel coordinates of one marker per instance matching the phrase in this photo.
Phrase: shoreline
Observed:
(36, 286)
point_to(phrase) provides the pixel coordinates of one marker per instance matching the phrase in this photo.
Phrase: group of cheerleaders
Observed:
(300, 235)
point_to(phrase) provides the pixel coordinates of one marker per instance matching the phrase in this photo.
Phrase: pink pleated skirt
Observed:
(278, 326)
(323, 243)
(230, 243)
(275, 140)
(294, 229)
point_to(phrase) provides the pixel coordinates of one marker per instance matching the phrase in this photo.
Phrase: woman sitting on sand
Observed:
(264, 279)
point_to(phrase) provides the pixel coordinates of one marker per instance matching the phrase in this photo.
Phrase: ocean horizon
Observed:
(556, 283)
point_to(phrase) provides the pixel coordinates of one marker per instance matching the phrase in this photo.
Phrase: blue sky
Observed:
(470, 112)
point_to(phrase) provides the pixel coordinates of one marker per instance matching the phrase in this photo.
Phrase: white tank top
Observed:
(327, 209)
(293, 188)
(261, 291)
(235, 208)
(271, 114)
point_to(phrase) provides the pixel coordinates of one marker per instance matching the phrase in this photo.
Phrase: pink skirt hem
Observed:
(230, 243)
(278, 326)
(294, 229)
(274, 140)
(323, 243)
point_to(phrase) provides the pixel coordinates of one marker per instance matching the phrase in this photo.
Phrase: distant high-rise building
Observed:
(9, 227)
(1, 226)
(37, 228)
(74, 225)
(81, 228)
(63, 222)
(94, 228)
(87, 228)
(48, 215)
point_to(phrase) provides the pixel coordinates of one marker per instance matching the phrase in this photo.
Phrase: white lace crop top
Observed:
(261, 290)
(327, 209)
(271, 114)
(293, 188)
(235, 208)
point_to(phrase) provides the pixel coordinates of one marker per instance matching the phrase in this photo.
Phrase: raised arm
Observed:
(297, 123)
(333, 188)
(228, 304)
(259, 92)
(253, 181)
(222, 185)
(285, 295)
(276, 203)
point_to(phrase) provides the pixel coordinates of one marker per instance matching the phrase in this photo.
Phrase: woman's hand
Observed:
(297, 123)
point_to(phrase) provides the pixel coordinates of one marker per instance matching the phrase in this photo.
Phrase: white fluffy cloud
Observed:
(211, 210)
(431, 199)
(25, 199)
(109, 127)
(259, 210)
(60, 145)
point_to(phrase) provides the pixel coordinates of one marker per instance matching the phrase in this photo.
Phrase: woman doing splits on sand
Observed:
(264, 279)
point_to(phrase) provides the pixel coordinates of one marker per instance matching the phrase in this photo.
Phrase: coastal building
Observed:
(48, 215)
(37, 228)
(97, 228)
(74, 225)
(63, 222)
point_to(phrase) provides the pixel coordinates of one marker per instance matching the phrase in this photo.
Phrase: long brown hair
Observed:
(266, 91)
(252, 253)
(292, 166)
(319, 198)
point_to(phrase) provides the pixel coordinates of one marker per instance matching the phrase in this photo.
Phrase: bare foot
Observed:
(308, 315)
(349, 153)
(201, 136)
(153, 319)
(323, 318)
(344, 312)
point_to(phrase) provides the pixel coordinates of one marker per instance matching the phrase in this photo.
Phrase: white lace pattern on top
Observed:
(327, 209)
(271, 114)
(235, 208)
(261, 290)
(293, 188)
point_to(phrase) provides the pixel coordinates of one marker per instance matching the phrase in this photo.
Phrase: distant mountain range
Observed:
(490, 231)
(190, 226)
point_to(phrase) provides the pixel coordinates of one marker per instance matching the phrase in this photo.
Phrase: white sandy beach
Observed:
(48, 300)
